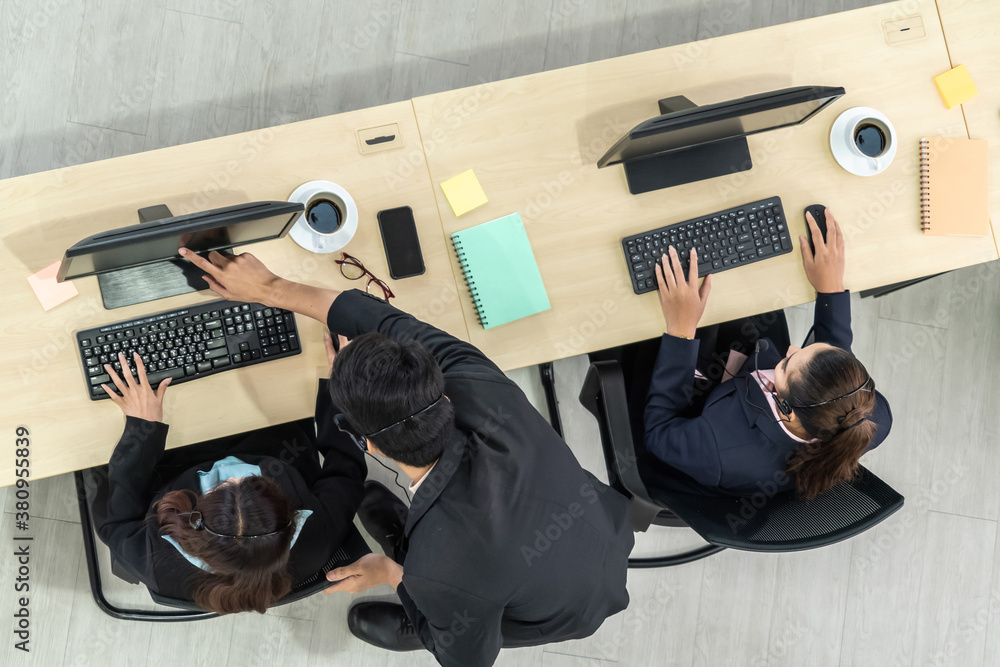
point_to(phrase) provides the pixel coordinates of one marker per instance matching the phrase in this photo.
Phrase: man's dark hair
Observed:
(377, 381)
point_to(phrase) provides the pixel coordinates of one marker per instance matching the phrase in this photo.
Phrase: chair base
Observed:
(675, 559)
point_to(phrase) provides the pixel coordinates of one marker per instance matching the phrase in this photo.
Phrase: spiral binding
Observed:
(925, 185)
(469, 281)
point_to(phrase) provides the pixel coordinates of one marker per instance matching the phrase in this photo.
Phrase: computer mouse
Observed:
(819, 215)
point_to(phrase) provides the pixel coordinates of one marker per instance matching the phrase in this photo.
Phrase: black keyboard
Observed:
(189, 343)
(724, 240)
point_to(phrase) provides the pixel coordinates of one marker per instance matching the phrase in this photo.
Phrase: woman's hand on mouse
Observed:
(825, 267)
(682, 301)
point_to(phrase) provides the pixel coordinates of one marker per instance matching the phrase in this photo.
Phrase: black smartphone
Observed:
(402, 247)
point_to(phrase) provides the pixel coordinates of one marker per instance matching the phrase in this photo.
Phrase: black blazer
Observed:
(333, 492)
(510, 541)
(732, 444)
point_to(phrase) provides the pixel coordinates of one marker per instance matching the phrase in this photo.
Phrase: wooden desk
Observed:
(41, 379)
(972, 31)
(533, 142)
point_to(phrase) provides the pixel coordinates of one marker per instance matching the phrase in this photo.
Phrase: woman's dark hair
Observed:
(250, 574)
(843, 426)
(377, 381)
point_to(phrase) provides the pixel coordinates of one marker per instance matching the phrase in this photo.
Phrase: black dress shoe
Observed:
(383, 624)
(383, 515)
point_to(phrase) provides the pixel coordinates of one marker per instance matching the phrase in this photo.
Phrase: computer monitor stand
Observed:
(138, 284)
(687, 165)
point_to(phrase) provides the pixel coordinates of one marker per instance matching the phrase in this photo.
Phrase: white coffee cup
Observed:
(870, 137)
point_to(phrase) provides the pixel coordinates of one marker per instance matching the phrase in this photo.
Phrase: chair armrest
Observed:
(603, 395)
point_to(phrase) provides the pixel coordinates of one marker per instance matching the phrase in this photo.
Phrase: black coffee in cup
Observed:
(323, 216)
(869, 139)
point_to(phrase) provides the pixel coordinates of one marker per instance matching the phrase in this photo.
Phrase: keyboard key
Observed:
(215, 343)
(218, 352)
(220, 362)
(96, 380)
(204, 366)
(160, 376)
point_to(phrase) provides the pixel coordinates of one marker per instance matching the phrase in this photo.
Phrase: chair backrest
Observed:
(760, 522)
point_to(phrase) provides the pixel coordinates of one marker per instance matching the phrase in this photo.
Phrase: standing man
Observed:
(508, 542)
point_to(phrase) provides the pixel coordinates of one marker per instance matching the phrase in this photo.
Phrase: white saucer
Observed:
(309, 238)
(842, 144)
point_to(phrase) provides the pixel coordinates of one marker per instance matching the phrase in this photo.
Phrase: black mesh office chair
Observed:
(781, 522)
(185, 610)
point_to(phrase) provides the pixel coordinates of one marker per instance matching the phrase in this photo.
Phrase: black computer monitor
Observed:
(688, 143)
(141, 262)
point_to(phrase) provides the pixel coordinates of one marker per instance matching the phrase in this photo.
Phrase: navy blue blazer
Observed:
(734, 445)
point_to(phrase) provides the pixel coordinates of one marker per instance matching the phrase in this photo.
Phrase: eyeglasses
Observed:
(353, 269)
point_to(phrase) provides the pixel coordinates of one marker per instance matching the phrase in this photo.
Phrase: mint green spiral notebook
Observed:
(500, 270)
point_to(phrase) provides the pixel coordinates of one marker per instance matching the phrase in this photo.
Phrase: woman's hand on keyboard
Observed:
(137, 398)
(683, 302)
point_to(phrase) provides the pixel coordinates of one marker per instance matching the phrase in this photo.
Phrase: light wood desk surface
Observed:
(972, 30)
(41, 379)
(533, 142)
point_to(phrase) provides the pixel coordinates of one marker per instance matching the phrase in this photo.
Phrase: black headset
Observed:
(786, 408)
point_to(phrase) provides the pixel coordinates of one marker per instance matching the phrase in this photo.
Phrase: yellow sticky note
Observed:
(49, 292)
(956, 86)
(464, 192)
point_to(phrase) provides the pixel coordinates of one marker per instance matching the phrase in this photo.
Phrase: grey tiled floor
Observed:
(90, 80)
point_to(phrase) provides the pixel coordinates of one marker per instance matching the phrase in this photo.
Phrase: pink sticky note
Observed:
(49, 292)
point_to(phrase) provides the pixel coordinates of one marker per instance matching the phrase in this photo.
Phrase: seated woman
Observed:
(777, 420)
(231, 524)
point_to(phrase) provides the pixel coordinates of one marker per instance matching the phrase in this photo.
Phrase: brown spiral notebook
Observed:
(954, 186)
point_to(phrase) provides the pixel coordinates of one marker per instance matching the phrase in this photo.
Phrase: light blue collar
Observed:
(225, 469)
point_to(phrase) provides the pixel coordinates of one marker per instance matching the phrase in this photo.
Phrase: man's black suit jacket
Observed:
(511, 542)
(735, 444)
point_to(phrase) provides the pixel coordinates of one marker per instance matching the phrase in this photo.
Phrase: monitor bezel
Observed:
(710, 113)
(172, 226)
